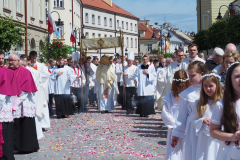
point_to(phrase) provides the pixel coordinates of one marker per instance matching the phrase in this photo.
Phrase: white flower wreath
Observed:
(237, 62)
(180, 80)
(211, 74)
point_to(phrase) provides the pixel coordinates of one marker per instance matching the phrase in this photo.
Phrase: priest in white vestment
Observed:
(61, 74)
(193, 51)
(146, 76)
(128, 82)
(42, 93)
(52, 63)
(119, 71)
(106, 85)
(78, 81)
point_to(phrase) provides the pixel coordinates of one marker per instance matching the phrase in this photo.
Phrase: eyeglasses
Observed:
(180, 55)
(11, 60)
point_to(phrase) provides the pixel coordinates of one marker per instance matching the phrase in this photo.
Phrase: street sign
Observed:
(71, 49)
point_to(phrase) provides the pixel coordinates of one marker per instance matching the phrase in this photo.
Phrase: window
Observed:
(60, 30)
(105, 21)
(70, 5)
(87, 35)
(126, 25)
(46, 9)
(99, 20)
(93, 19)
(58, 3)
(135, 27)
(110, 35)
(131, 26)
(149, 47)
(93, 35)
(99, 35)
(40, 9)
(110, 22)
(31, 8)
(127, 43)
(5, 3)
(86, 17)
(122, 25)
(117, 24)
(17, 6)
(19, 46)
(131, 43)
(105, 35)
(136, 42)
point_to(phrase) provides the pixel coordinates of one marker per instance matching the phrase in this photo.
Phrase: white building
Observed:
(102, 18)
(30, 13)
(70, 15)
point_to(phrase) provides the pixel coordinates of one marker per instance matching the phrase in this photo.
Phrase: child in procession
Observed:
(182, 123)
(170, 112)
(211, 92)
(225, 119)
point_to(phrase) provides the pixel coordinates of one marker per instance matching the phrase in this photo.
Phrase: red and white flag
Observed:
(234, 9)
(72, 37)
(51, 24)
(165, 46)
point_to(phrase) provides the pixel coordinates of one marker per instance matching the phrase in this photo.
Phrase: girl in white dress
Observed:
(225, 119)
(170, 112)
(211, 92)
(182, 123)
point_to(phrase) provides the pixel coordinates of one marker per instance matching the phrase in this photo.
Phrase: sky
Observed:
(180, 13)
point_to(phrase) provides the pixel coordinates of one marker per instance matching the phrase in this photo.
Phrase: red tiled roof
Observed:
(148, 32)
(101, 5)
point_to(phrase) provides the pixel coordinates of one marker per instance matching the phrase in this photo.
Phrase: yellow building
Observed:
(207, 12)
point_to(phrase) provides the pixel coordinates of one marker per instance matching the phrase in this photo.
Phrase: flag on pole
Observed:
(165, 47)
(146, 51)
(72, 37)
(51, 24)
(234, 9)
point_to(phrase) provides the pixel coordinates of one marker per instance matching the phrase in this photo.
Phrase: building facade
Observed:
(30, 13)
(102, 18)
(207, 12)
(147, 43)
(69, 13)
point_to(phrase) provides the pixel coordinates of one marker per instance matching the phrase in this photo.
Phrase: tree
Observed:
(201, 40)
(11, 33)
(57, 48)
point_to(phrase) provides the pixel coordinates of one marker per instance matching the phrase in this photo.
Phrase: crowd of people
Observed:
(198, 98)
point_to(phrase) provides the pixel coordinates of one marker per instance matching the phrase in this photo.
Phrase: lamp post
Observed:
(160, 27)
(59, 23)
(219, 17)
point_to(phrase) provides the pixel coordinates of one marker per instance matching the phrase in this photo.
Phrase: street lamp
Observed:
(219, 17)
(59, 23)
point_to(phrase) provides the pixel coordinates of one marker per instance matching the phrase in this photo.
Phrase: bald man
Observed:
(230, 47)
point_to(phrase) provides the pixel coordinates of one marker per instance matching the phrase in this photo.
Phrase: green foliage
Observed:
(57, 48)
(166, 55)
(219, 34)
(11, 33)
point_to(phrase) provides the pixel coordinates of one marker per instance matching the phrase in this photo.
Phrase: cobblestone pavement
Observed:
(92, 135)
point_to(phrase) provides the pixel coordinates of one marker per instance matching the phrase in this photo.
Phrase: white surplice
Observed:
(161, 86)
(169, 114)
(50, 81)
(119, 70)
(226, 152)
(182, 124)
(38, 98)
(217, 69)
(76, 82)
(129, 79)
(62, 82)
(145, 85)
(43, 117)
(6, 108)
(186, 61)
(207, 147)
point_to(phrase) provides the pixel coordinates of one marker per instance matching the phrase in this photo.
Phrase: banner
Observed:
(100, 43)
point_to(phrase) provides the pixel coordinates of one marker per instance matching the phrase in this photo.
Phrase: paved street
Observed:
(92, 135)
